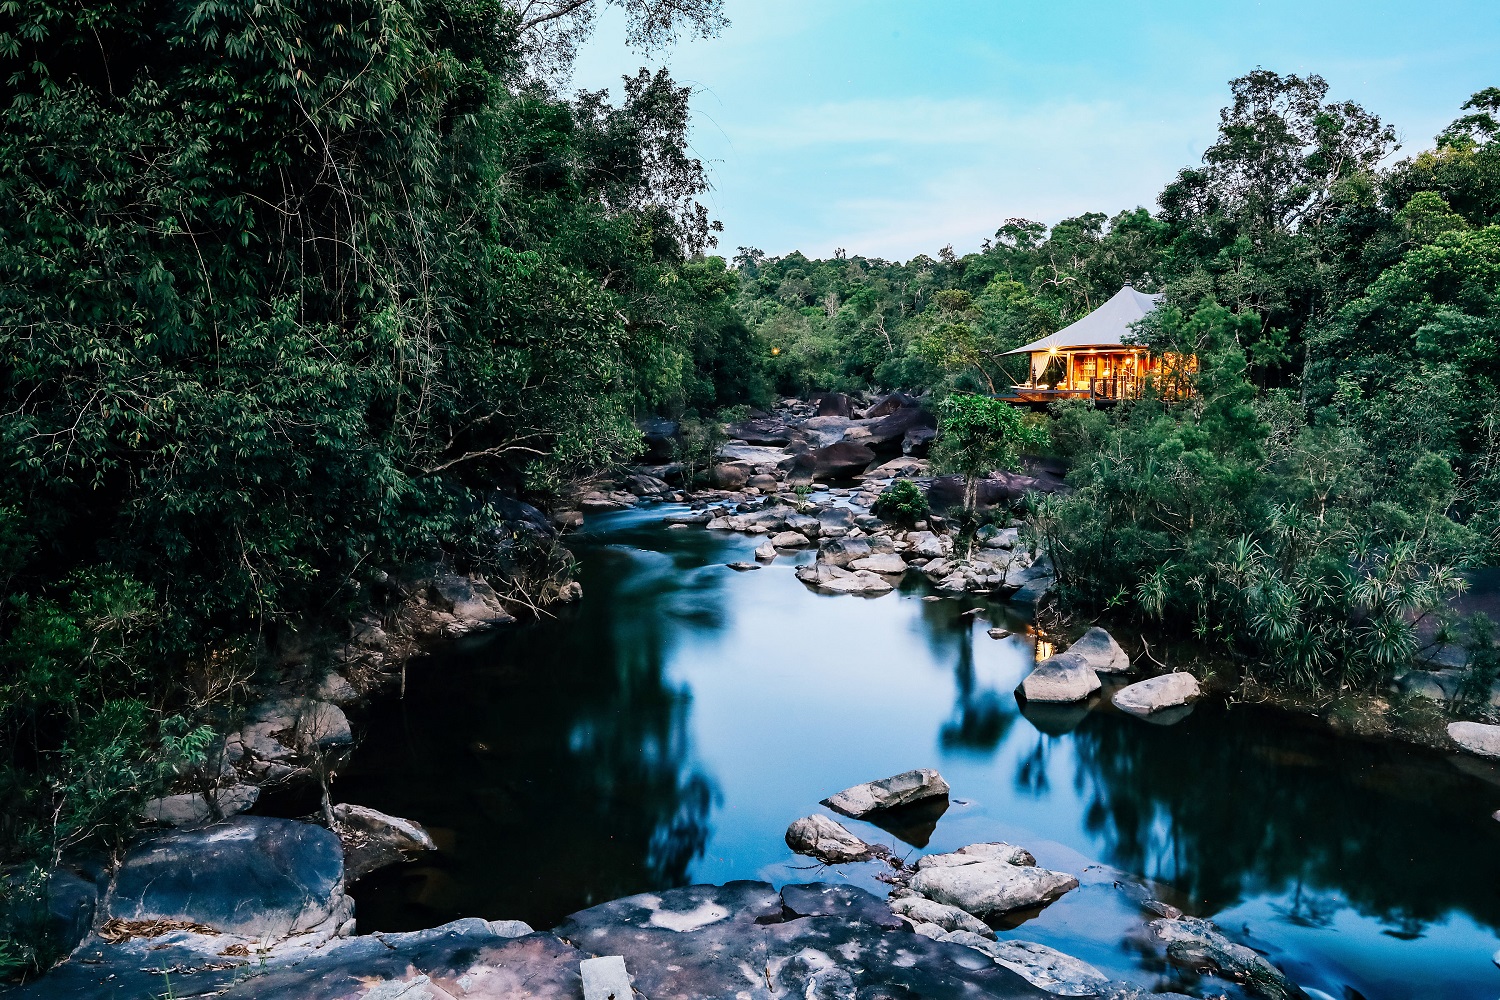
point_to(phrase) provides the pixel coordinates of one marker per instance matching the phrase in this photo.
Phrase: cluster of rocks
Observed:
(1073, 676)
(952, 897)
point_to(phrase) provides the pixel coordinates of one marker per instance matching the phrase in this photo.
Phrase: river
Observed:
(667, 728)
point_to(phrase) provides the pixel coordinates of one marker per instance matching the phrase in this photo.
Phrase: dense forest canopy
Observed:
(290, 291)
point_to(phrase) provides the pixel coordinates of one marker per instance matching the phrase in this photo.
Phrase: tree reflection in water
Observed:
(1239, 801)
(562, 738)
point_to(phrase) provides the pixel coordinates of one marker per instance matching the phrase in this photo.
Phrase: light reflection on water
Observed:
(668, 729)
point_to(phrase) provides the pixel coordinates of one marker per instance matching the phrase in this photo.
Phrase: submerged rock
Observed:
(989, 888)
(887, 793)
(1100, 651)
(1155, 694)
(1064, 677)
(1055, 972)
(1197, 944)
(828, 841)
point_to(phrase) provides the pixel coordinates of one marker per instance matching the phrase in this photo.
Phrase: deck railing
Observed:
(1116, 387)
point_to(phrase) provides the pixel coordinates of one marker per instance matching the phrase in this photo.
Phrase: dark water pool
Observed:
(668, 728)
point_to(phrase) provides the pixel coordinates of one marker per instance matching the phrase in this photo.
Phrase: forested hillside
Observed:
(1310, 508)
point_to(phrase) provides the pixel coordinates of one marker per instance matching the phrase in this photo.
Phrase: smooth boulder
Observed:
(196, 809)
(1156, 694)
(255, 876)
(1100, 651)
(789, 540)
(372, 839)
(989, 888)
(858, 582)
(1063, 677)
(840, 460)
(881, 562)
(888, 793)
(827, 840)
(975, 853)
(1476, 737)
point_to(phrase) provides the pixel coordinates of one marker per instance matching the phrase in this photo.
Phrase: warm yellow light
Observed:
(775, 351)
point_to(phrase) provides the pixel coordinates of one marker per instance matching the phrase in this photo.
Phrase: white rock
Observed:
(1048, 968)
(975, 853)
(990, 888)
(861, 582)
(950, 918)
(828, 841)
(1156, 693)
(765, 552)
(1476, 737)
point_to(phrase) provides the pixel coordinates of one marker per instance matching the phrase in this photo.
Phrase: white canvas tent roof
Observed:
(1104, 327)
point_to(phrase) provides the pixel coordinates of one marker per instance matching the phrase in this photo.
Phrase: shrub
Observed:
(903, 502)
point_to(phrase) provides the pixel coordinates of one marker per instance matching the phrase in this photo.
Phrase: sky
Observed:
(891, 128)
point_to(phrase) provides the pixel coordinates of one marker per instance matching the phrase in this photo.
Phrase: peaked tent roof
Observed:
(1104, 327)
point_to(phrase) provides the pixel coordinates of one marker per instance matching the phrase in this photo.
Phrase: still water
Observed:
(668, 728)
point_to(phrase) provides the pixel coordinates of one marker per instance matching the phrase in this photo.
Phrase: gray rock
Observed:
(789, 540)
(1048, 968)
(336, 689)
(470, 598)
(926, 545)
(884, 562)
(804, 523)
(990, 888)
(1476, 737)
(858, 582)
(322, 726)
(742, 567)
(841, 460)
(765, 552)
(195, 808)
(1034, 590)
(510, 928)
(1154, 694)
(373, 839)
(822, 838)
(1005, 538)
(1100, 651)
(843, 551)
(887, 793)
(729, 476)
(1064, 677)
(254, 876)
(605, 978)
(1197, 944)
(689, 517)
(922, 910)
(753, 456)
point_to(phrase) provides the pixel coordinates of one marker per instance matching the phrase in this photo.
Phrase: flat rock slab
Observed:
(1198, 944)
(1156, 694)
(1476, 737)
(1100, 651)
(605, 978)
(883, 562)
(921, 910)
(256, 876)
(990, 888)
(808, 941)
(887, 793)
(1063, 678)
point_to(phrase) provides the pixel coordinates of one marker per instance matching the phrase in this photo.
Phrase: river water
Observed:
(666, 730)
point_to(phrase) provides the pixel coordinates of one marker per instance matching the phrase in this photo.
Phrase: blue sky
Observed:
(893, 128)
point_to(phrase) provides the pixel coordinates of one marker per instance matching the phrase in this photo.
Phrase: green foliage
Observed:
(903, 502)
(978, 434)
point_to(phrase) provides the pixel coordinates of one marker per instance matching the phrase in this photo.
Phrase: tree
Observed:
(979, 434)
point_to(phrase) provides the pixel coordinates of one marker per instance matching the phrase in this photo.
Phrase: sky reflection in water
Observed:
(669, 728)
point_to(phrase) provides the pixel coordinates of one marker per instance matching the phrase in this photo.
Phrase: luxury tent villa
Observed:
(1089, 359)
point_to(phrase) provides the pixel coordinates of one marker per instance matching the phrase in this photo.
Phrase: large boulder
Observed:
(819, 432)
(198, 808)
(729, 476)
(827, 840)
(1155, 694)
(886, 405)
(835, 521)
(884, 562)
(254, 876)
(917, 441)
(761, 430)
(1197, 944)
(1100, 651)
(833, 404)
(858, 582)
(990, 888)
(468, 598)
(789, 540)
(1476, 737)
(1063, 677)
(843, 551)
(887, 793)
(841, 460)
(755, 456)
(886, 433)
(659, 439)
